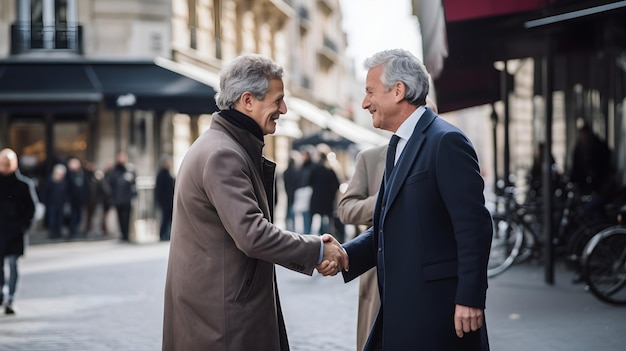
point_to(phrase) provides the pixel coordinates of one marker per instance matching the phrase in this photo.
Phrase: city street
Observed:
(107, 295)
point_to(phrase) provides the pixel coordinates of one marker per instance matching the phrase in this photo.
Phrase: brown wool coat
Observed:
(220, 291)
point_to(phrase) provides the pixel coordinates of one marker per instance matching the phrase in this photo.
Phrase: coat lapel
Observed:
(409, 156)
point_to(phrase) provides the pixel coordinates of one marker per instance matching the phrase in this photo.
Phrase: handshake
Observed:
(335, 257)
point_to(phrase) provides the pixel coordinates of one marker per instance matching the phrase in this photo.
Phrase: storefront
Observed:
(52, 110)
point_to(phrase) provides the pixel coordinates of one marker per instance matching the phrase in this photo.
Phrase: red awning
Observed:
(462, 10)
(462, 87)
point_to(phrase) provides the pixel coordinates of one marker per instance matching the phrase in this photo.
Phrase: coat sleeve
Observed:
(228, 182)
(361, 254)
(461, 186)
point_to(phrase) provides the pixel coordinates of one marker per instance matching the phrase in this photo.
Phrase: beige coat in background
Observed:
(220, 291)
(357, 207)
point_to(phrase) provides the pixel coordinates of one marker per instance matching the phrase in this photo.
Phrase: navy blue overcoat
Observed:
(430, 242)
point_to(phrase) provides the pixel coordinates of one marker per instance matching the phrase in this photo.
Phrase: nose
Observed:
(282, 108)
(366, 103)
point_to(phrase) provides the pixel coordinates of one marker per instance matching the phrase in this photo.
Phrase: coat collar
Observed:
(248, 141)
(253, 147)
(409, 155)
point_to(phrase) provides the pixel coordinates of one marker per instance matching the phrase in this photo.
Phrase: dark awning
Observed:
(131, 85)
(328, 137)
(45, 83)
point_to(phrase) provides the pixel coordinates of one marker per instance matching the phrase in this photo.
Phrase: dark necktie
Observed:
(391, 155)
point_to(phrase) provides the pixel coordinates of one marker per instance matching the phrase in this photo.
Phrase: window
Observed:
(46, 25)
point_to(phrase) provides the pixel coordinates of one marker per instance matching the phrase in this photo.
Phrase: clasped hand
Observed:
(335, 257)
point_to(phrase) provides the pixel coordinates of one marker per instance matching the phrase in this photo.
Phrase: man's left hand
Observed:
(467, 319)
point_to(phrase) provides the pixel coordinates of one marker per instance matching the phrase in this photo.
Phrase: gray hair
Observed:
(402, 66)
(164, 159)
(247, 73)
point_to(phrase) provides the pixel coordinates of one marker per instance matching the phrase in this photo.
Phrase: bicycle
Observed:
(515, 234)
(518, 228)
(604, 265)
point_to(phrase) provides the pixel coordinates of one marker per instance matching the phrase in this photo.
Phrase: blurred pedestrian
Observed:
(304, 191)
(98, 194)
(535, 175)
(77, 192)
(290, 178)
(123, 190)
(164, 196)
(220, 290)
(108, 203)
(325, 184)
(591, 162)
(593, 172)
(17, 209)
(55, 198)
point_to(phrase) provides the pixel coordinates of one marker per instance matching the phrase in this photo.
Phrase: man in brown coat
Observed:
(220, 291)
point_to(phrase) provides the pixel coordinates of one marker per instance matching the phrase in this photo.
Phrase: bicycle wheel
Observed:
(604, 265)
(506, 243)
(531, 244)
(578, 240)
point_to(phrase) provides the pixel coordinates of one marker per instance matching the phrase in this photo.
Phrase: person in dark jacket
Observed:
(303, 191)
(55, 196)
(325, 184)
(77, 192)
(17, 209)
(164, 195)
(98, 194)
(291, 179)
(593, 172)
(123, 190)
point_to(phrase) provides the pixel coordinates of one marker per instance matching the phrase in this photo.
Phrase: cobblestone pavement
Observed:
(106, 295)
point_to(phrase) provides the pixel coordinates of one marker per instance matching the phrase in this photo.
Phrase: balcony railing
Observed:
(60, 37)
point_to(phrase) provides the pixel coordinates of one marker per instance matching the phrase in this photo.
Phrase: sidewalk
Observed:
(525, 313)
(109, 296)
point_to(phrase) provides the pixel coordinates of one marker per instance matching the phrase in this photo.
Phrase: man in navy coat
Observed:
(431, 231)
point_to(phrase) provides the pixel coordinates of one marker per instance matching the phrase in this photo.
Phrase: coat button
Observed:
(380, 249)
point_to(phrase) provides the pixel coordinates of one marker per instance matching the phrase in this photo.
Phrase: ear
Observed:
(399, 90)
(246, 101)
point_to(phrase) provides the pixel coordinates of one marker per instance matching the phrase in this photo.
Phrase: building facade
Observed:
(87, 79)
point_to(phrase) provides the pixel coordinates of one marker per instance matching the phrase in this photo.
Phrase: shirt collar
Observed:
(406, 128)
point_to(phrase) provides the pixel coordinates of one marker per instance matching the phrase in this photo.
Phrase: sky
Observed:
(374, 25)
